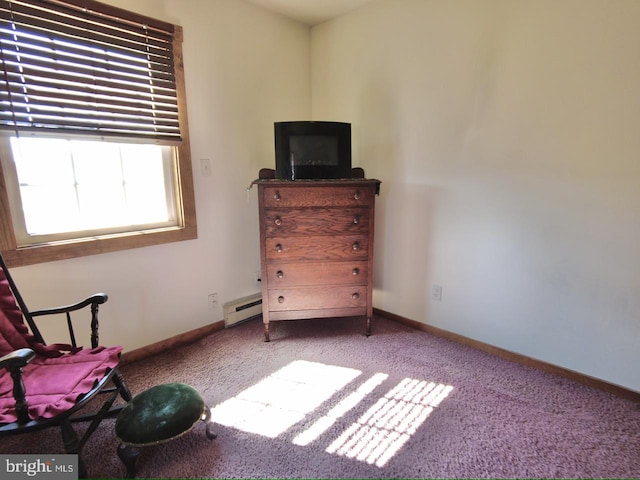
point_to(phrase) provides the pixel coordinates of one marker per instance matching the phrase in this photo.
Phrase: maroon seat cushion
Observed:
(54, 384)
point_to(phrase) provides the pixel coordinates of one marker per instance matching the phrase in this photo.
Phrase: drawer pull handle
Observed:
(356, 196)
(276, 196)
(279, 274)
(278, 221)
(356, 246)
(280, 299)
(355, 296)
(278, 248)
(355, 272)
(356, 220)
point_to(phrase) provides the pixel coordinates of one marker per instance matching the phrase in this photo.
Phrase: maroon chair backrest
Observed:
(14, 334)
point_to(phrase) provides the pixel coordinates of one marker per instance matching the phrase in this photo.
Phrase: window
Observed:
(63, 185)
(93, 132)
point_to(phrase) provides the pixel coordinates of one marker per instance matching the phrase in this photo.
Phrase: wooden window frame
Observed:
(187, 230)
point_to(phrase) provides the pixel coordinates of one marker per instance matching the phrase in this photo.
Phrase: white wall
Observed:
(245, 68)
(506, 137)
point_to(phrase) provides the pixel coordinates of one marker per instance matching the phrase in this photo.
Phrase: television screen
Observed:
(312, 150)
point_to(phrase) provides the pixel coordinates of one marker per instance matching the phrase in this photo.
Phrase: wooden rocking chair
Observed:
(44, 385)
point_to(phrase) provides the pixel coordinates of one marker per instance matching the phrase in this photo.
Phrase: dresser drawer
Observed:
(317, 273)
(323, 313)
(310, 248)
(318, 196)
(316, 221)
(316, 298)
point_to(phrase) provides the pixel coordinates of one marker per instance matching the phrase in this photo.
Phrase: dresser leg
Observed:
(368, 332)
(266, 333)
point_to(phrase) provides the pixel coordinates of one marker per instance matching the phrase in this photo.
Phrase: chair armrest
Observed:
(15, 362)
(17, 359)
(93, 301)
(97, 299)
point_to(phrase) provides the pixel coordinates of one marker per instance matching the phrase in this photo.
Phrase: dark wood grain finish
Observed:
(316, 240)
(313, 248)
(309, 195)
(316, 221)
(317, 298)
(317, 273)
(320, 313)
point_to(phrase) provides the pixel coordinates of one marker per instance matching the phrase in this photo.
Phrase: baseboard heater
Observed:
(242, 309)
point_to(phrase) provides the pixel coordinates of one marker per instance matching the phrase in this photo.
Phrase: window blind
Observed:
(78, 66)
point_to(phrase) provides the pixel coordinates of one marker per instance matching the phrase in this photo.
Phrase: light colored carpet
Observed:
(324, 401)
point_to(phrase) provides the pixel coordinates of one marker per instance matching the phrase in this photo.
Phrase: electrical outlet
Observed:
(436, 292)
(213, 300)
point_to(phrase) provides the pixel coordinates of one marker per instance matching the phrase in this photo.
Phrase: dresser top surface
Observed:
(315, 183)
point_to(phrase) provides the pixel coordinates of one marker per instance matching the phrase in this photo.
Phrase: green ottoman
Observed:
(157, 415)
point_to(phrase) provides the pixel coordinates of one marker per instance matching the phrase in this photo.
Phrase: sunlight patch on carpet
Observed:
(383, 429)
(286, 397)
(354, 398)
(291, 395)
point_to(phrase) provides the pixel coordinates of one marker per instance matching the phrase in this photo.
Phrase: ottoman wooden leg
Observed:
(207, 420)
(129, 456)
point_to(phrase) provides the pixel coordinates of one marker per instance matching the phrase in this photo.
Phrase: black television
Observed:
(312, 150)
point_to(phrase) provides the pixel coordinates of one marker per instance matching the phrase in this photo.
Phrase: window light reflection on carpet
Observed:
(284, 398)
(390, 423)
(292, 394)
(326, 422)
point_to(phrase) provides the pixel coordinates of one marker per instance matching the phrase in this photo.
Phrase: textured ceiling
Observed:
(310, 12)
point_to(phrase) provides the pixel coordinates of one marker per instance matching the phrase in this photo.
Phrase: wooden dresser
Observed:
(316, 241)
